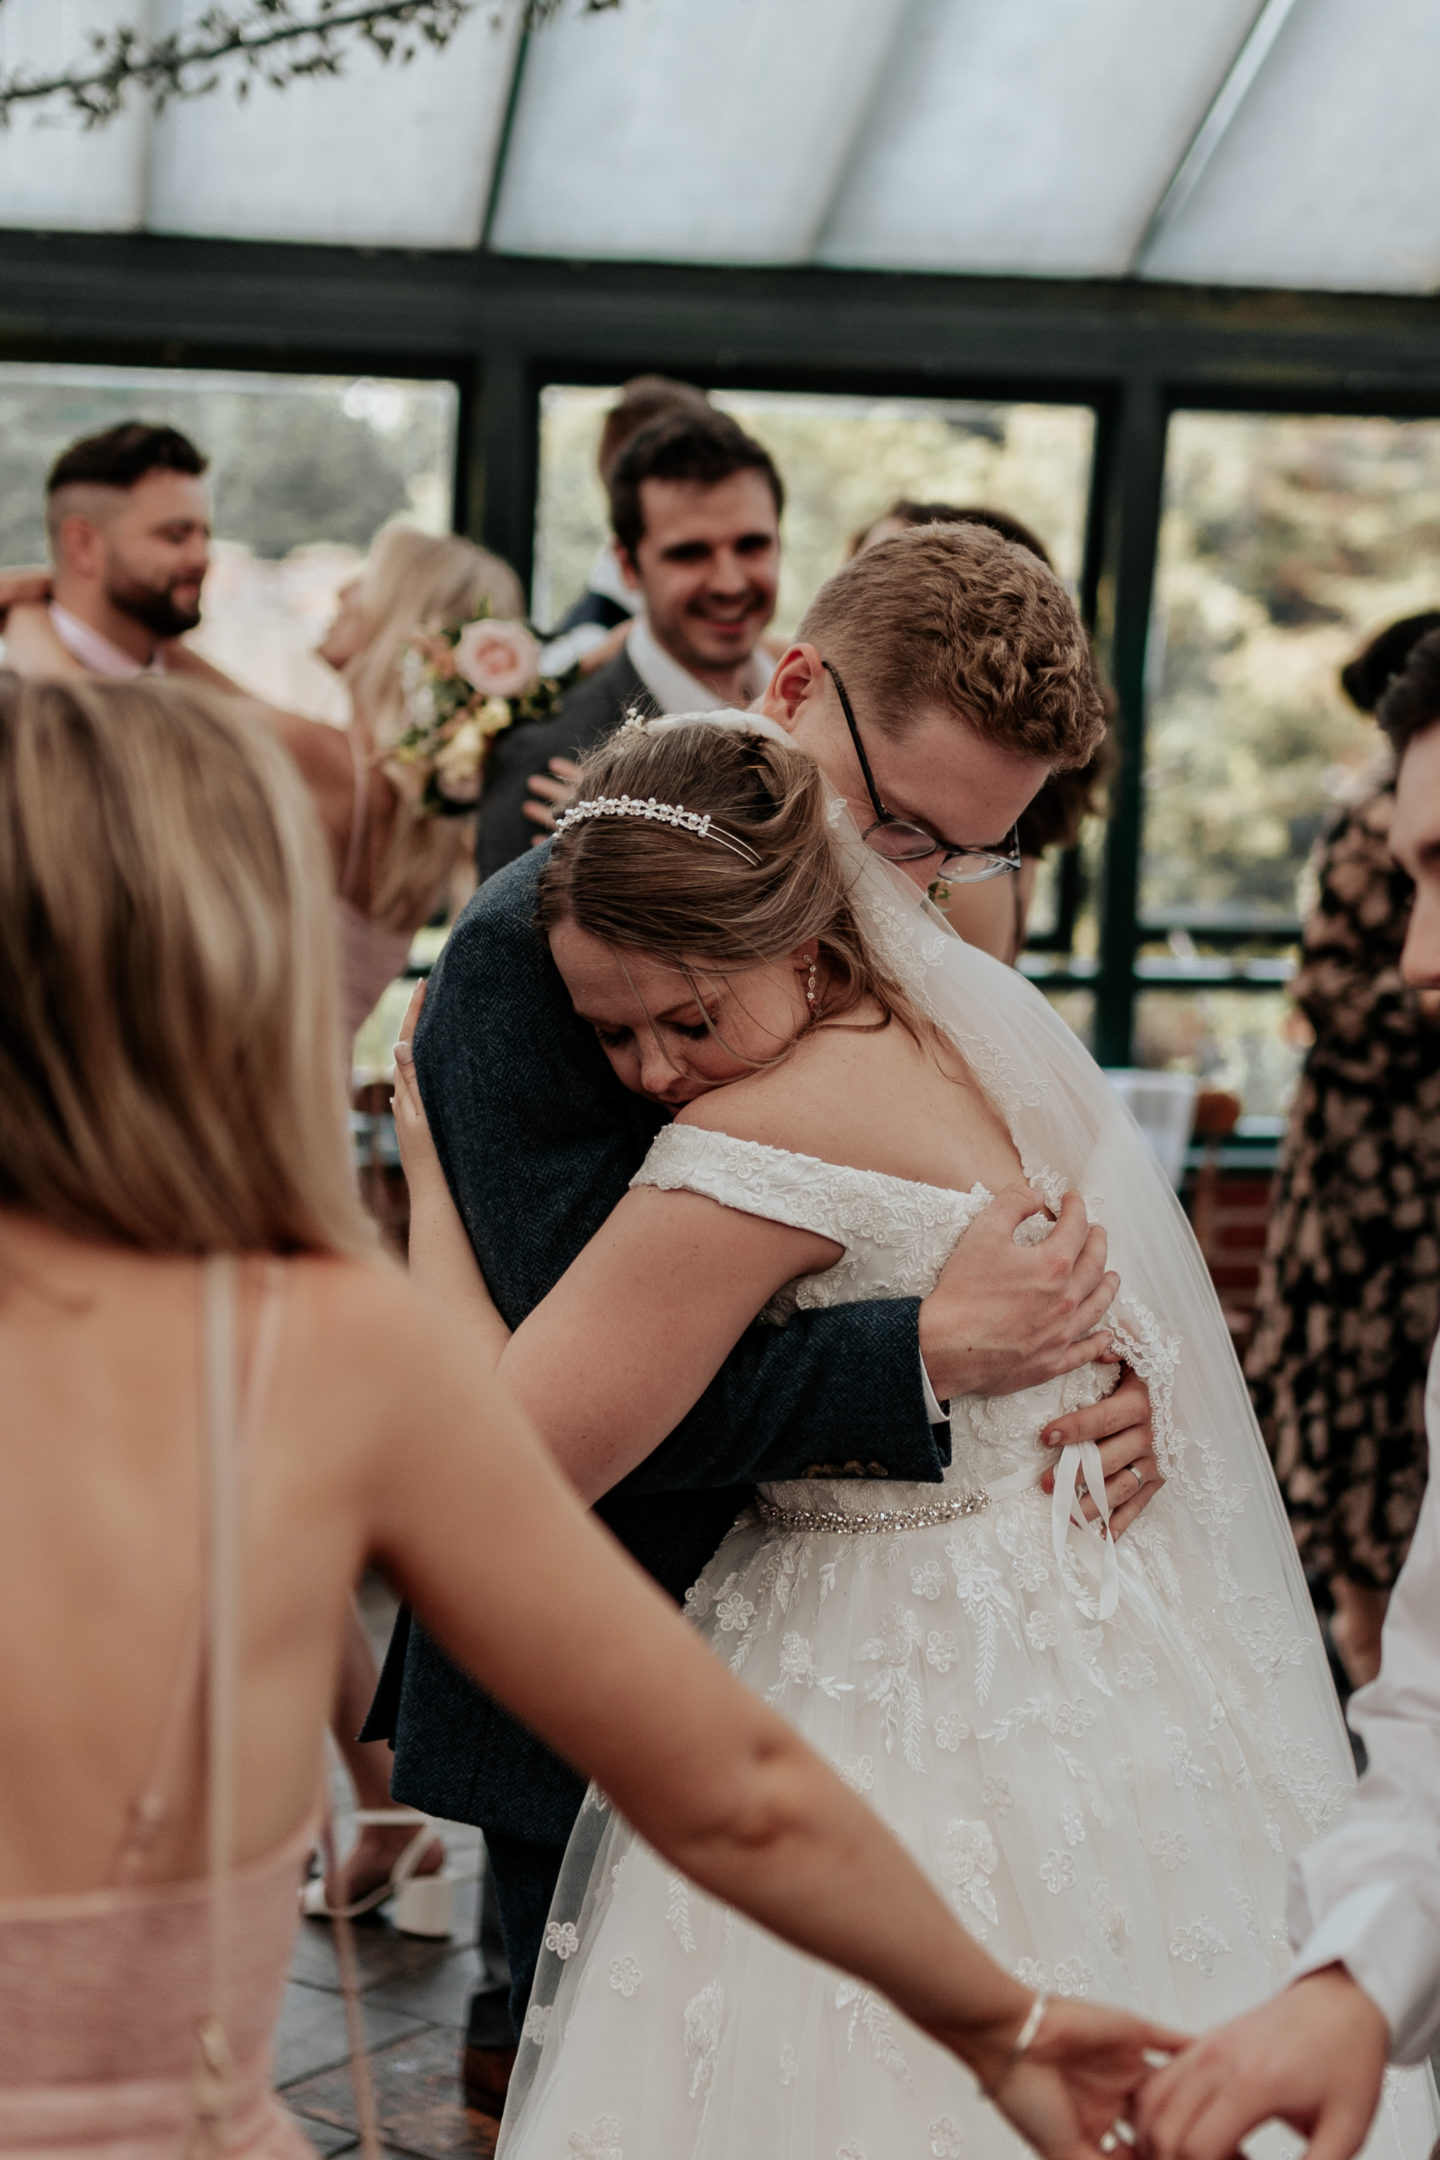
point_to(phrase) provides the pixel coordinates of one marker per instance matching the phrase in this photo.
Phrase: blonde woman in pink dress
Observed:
(219, 1404)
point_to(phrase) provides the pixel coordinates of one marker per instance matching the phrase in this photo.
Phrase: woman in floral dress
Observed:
(1350, 1292)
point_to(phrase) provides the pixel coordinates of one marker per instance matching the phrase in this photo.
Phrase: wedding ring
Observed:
(1138, 1475)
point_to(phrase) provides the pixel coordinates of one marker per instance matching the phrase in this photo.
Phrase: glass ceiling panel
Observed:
(1329, 175)
(396, 156)
(689, 130)
(1030, 138)
(1036, 136)
(382, 156)
(52, 173)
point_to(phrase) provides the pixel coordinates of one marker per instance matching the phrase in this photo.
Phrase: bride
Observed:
(1102, 1752)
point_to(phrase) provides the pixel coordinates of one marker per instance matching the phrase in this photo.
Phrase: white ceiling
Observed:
(1241, 142)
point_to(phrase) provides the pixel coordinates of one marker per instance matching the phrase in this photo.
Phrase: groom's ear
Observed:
(80, 545)
(799, 675)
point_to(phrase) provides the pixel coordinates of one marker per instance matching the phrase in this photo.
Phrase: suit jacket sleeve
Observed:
(539, 1142)
(1368, 1895)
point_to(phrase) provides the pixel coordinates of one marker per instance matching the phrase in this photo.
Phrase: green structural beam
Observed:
(501, 328)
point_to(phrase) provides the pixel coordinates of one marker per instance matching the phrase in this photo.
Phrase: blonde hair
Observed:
(170, 1056)
(664, 891)
(954, 615)
(413, 581)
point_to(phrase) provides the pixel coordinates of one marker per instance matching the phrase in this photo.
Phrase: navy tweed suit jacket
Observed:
(539, 1142)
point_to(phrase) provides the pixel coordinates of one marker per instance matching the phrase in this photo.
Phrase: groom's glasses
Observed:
(901, 840)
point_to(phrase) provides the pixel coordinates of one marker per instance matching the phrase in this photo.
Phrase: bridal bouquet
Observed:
(463, 685)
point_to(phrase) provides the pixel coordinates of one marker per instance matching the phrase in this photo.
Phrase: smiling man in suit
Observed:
(695, 504)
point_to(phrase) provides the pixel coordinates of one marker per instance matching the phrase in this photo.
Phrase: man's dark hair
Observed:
(123, 455)
(1411, 705)
(704, 447)
(642, 401)
(1366, 678)
(905, 512)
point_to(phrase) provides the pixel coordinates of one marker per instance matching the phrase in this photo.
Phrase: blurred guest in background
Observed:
(695, 505)
(993, 914)
(127, 516)
(1350, 1289)
(608, 603)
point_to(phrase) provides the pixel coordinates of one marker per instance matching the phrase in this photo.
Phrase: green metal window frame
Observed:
(500, 328)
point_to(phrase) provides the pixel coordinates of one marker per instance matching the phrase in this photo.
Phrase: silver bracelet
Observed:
(1021, 2045)
(1034, 2018)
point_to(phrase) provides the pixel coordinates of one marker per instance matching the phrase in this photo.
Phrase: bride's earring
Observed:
(810, 992)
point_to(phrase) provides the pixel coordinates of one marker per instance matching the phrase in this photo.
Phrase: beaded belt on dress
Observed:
(820, 1521)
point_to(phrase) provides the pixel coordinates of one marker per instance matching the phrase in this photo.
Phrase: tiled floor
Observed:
(414, 1995)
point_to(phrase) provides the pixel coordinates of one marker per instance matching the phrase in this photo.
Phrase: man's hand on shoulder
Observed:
(1313, 2057)
(1004, 1316)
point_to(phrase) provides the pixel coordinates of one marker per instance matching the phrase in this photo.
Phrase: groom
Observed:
(970, 677)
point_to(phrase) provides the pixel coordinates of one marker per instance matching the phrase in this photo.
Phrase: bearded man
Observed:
(127, 514)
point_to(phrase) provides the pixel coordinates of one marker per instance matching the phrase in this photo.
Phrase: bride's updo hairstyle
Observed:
(170, 1052)
(698, 903)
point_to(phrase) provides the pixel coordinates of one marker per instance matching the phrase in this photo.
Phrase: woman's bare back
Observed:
(101, 1585)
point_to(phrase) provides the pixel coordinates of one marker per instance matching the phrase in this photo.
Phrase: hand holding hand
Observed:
(1314, 2056)
(1121, 1425)
(1004, 1316)
(1079, 2073)
(551, 792)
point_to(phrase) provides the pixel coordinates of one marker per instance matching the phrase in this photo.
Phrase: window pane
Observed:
(1286, 541)
(843, 459)
(305, 469)
(1246, 1041)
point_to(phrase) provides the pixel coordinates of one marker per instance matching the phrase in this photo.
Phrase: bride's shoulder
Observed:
(821, 1100)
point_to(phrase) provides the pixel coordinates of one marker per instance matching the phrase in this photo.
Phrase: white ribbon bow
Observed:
(1077, 1457)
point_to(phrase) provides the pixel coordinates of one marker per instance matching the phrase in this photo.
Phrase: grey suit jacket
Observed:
(539, 1142)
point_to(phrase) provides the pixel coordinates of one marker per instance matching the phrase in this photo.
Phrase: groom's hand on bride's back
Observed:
(1004, 1316)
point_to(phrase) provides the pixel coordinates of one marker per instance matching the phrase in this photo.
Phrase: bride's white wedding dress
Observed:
(1108, 1805)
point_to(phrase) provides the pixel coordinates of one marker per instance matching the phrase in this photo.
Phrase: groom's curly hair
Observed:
(958, 616)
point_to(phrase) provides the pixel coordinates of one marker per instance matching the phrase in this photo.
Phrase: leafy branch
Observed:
(272, 41)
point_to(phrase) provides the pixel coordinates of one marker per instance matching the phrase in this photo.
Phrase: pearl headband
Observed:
(655, 813)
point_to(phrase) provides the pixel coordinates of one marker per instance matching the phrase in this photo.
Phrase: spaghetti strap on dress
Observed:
(137, 2021)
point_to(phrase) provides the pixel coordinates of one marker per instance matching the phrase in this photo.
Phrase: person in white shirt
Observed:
(695, 503)
(1365, 1901)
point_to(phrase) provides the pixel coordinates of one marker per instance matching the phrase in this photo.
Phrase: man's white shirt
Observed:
(1368, 1895)
(97, 653)
(675, 689)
